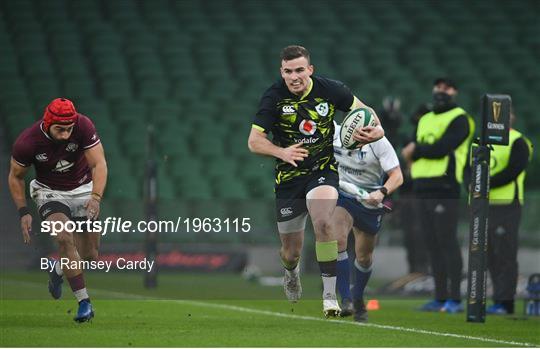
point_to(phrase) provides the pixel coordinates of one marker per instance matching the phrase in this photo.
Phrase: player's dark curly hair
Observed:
(294, 51)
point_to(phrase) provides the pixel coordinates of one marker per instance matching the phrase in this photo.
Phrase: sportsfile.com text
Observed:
(119, 225)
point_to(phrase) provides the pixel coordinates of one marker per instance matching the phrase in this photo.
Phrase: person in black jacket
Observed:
(437, 158)
(506, 197)
(413, 240)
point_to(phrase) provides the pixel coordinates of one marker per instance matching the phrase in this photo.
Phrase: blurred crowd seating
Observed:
(196, 69)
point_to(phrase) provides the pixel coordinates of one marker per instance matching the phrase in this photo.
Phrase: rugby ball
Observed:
(357, 118)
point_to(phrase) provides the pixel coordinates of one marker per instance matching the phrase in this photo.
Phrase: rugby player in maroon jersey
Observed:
(71, 173)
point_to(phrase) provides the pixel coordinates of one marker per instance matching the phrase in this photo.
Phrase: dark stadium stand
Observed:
(195, 70)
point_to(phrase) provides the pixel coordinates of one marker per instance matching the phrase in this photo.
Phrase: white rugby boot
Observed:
(292, 285)
(330, 305)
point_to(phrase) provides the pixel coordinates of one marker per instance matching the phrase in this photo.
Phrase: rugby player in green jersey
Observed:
(299, 110)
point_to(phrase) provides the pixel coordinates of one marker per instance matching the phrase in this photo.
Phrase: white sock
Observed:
(58, 269)
(361, 268)
(342, 256)
(329, 287)
(81, 294)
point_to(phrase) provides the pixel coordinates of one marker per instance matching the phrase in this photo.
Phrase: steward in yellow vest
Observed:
(442, 145)
(437, 159)
(507, 169)
(506, 197)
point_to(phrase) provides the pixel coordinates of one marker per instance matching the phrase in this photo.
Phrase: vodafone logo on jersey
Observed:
(308, 127)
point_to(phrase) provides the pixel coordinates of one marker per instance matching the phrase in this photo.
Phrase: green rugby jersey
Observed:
(304, 119)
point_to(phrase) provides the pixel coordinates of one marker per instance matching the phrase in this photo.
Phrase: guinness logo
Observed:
(496, 107)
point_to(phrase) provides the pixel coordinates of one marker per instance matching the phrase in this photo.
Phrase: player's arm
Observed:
(395, 179)
(367, 134)
(95, 157)
(519, 158)
(258, 143)
(456, 133)
(16, 187)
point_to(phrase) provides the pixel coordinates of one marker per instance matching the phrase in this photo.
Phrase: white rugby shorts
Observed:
(74, 199)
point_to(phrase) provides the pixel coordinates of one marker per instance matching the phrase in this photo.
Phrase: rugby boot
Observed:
(497, 309)
(292, 285)
(452, 307)
(330, 306)
(433, 305)
(360, 311)
(347, 308)
(55, 283)
(85, 311)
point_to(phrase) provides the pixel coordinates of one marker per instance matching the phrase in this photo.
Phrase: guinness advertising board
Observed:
(495, 119)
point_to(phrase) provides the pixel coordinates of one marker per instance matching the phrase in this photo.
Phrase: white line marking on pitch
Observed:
(298, 317)
(312, 318)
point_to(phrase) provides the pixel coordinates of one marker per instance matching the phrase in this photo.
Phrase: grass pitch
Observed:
(216, 310)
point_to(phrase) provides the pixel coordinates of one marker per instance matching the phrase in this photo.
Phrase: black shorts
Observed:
(365, 219)
(291, 196)
(54, 207)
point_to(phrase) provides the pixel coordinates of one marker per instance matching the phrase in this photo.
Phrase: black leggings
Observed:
(503, 228)
(438, 219)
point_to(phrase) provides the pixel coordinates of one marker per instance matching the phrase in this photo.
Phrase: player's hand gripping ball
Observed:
(356, 119)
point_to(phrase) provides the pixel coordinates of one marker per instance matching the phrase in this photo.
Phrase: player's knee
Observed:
(65, 241)
(290, 255)
(364, 259)
(341, 231)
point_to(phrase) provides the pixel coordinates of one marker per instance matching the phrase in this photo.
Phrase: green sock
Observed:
(289, 265)
(326, 251)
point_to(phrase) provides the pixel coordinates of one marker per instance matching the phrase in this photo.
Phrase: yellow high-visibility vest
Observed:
(431, 128)
(500, 156)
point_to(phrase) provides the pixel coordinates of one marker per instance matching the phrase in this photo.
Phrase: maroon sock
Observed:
(76, 282)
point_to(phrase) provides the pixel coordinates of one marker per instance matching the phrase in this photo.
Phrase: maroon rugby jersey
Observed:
(60, 166)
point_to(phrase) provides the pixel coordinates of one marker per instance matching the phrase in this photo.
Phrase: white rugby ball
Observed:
(357, 118)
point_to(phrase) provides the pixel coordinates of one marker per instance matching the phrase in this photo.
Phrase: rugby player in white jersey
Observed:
(362, 190)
